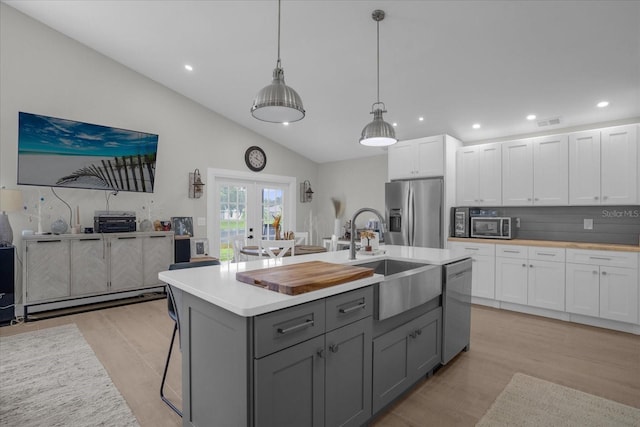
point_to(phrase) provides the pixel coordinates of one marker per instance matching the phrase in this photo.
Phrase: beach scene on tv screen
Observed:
(65, 153)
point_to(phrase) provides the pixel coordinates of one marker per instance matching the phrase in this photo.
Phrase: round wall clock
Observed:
(255, 158)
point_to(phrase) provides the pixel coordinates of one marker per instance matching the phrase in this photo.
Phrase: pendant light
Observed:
(378, 133)
(278, 103)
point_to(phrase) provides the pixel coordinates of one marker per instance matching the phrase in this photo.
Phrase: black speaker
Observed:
(7, 275)
(182, 250)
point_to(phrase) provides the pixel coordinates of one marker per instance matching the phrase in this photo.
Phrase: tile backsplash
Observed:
(611, 224)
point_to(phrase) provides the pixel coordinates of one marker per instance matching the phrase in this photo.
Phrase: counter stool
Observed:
(174, 305)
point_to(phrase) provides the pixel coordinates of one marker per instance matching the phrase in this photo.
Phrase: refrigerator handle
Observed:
(411, 215)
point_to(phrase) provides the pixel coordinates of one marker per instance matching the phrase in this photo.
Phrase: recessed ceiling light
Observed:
(394, 124)
(476, 126)
(421, 118)
(603, 104)
(188, 67)
(285, 123)
(531, 117)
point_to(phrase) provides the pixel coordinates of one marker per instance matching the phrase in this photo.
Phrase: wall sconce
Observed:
(306, 193)
(195, 185)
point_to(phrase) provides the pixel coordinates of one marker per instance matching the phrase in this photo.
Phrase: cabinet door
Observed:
(401, 162)
(424, 344)
(483, 277)
(546, 284)
(157, 254)
(551, 170)
(511, 280)
(467, 161)
(430, 156)
(619, 165)
(619, 294)
(517, 173)
(490, 175)
(583, 289)
(348, 374)
(126, 270)
(88, 266)
(584, 168)
(390, 367)
(289, 386)
(47, 270)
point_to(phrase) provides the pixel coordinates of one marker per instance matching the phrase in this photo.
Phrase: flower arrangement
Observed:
(367, 234)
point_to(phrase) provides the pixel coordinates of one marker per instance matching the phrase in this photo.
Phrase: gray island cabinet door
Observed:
(403, 355)
(289, 386)
(348, 374)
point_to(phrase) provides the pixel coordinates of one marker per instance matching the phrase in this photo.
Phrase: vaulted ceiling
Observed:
(454, 63)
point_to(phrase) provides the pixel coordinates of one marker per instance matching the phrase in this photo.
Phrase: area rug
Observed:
(529, 401)
(51, 377)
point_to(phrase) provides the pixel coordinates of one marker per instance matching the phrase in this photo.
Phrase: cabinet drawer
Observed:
(546, 254)
(284, 328)
(512, 251)
(486, 249)
(605, 258)
(348, 307)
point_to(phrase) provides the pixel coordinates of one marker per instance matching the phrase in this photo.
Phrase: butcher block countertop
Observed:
(552, 244)
(218, 284)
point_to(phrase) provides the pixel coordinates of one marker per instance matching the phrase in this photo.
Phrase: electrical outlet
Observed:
(588, 224)
(202, 221)
(517, 222)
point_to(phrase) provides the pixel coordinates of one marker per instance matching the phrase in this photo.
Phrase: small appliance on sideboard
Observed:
(492, 227)
(460, 222)
(114, 221)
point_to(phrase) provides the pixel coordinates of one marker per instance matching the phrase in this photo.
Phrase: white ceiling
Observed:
(454, 62)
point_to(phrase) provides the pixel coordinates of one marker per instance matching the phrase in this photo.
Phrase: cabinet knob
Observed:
(531, 265)
(604, 197)
(604, 273)
(536, 199)
(595, 272)
(320, 353)
(595, 198)
(334, 348)
(524, 265)
(529, 199)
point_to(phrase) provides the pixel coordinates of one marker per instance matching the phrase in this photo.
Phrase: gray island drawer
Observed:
(349, 307)
(284, 328)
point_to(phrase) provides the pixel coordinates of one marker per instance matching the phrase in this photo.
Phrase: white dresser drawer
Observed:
(606, 258)
(512, 251)
(546, 254)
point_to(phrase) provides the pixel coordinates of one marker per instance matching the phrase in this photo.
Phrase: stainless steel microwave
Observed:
(492, 227)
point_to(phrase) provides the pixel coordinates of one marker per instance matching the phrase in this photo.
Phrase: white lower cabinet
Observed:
(533, 276)
(603, 284)
(484, 267)
(46, 270)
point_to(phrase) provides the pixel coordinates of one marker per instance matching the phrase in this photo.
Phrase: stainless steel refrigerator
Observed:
(414, 213)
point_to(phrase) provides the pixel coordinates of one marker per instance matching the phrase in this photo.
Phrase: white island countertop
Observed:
(218, 285)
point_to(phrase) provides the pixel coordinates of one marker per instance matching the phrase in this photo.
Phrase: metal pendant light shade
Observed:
(277, 102)
(378, 133)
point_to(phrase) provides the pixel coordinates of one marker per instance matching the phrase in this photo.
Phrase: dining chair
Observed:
(238, 243)
(301, 237)
(277, 248)
(174, 306)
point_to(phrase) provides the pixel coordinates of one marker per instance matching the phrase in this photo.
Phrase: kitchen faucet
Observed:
(352, 248)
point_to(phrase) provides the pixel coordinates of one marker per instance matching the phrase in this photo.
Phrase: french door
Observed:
(247, 207)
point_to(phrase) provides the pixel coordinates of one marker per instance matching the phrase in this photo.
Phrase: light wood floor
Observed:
(131, 342)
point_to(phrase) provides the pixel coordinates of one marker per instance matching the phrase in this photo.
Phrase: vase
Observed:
(278, 233)
(368, 248)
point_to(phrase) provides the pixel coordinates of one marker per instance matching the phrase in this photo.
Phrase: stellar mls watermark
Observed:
(622, 213)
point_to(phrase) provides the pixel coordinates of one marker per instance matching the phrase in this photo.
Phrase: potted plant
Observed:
(367, 234)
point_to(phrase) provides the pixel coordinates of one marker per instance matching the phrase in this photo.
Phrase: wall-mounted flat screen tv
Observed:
(56, 152)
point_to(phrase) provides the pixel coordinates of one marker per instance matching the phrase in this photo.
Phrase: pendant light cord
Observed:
(278, 63)
(378, 57)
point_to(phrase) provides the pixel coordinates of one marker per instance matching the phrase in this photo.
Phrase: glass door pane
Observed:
(272, 206)
(233, 216)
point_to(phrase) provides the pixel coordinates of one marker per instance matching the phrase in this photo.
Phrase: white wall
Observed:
(44, 72)
(356, 183)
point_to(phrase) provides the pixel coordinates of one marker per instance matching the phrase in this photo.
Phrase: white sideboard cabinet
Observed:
(75, 269)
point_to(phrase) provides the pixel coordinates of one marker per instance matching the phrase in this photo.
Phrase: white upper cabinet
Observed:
(479, 175)
(551, 170)
(417, 158)
(517, 173)
(619, 165)
(535, 171)
(603, 168)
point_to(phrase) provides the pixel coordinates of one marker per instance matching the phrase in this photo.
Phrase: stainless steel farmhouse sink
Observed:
(406, 285)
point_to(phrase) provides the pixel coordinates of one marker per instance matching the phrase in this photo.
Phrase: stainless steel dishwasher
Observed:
(456, 306)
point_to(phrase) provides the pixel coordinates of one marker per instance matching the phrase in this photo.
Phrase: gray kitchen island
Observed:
(255, 357)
